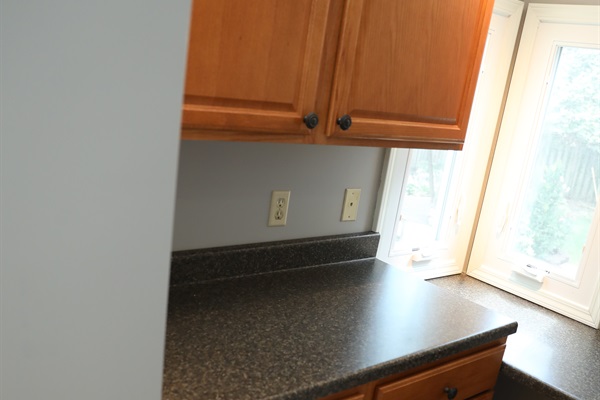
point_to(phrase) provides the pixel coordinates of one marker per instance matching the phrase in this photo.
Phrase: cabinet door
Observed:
(408, 69)
(253, 66)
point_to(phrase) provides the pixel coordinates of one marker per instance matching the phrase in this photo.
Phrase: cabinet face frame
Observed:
(241, 117)
(372, 124)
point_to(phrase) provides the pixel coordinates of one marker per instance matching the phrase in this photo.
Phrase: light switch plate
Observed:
(350, 209)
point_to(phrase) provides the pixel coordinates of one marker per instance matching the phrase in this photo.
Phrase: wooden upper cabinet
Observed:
(403, 70)
(408, 69)
(253, 66)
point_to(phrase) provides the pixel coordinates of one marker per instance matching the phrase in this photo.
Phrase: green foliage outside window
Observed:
(547, 222)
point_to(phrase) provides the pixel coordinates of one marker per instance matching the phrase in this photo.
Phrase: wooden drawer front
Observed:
(484, 396)
(471, 375)
(355, 397)
(341, 396)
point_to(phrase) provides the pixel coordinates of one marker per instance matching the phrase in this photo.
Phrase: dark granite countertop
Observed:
(551, 357)
(308, 332)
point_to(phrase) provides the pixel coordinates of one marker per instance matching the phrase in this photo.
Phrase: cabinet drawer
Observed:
(471, 375)
(353, 396)
(484, 396)
(345, 396)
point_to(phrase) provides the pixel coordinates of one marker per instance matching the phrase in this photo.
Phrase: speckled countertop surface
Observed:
(308, 332)
(555, 356)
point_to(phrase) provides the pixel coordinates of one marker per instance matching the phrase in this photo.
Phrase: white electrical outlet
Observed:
(350, 210)
(278, 212)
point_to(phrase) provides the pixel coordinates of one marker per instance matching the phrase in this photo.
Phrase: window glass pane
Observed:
(420, 225)
(557, 203)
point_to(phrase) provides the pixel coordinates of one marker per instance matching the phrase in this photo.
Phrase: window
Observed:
(560, 190)
(421, 227)
(538, 234)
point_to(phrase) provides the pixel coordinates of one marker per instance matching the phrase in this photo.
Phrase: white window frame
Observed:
(545, 293)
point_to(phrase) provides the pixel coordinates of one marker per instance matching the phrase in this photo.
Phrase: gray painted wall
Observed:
(90, 99)
(224, 191)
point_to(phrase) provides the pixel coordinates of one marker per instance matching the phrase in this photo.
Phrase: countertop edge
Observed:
(415, 360)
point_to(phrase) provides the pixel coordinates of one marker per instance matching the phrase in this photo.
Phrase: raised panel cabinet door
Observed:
(408, 69)
(253, 66)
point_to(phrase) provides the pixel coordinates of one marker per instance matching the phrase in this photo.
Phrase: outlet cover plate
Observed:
(278, 212)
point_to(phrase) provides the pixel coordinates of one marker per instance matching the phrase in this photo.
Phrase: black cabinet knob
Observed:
(345, 122)
(451, 392)
(311, 120)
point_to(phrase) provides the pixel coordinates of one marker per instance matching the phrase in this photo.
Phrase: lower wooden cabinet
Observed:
(469, 375)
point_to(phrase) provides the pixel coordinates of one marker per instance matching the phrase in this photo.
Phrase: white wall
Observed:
(90, 105)
(224, 191)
